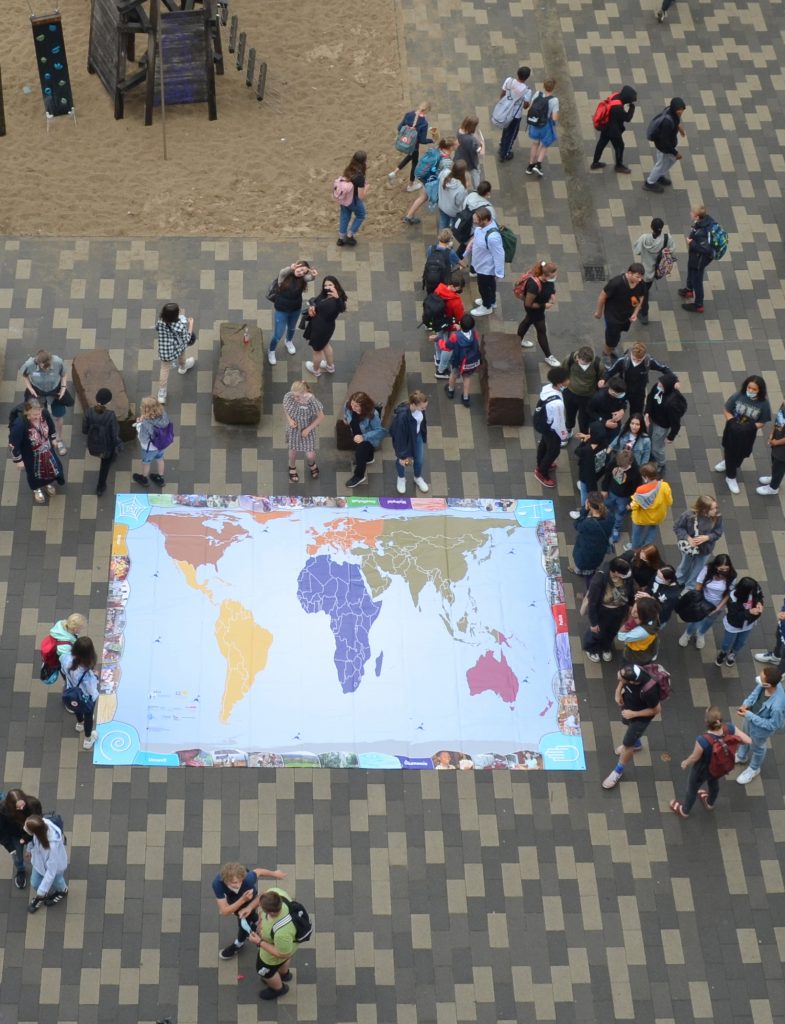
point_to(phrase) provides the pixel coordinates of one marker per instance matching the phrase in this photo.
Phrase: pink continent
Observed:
(493, 675)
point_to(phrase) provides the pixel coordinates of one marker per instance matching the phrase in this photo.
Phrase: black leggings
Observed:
(540, 328)
(103, 472)
(414, 156)
(618, 147)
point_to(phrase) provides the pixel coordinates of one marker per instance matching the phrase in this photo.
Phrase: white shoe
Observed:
(607, 655)
(79, 727)
(552, 361)
(767, 658)
(720, 467)
(748, 775)
(189, 364)
(414, 187)
(700, 641)
(764, 479)
(290, 347)
(766, 490)
(312, 369)
(575, 514)
(400, 485)
(733, 487)
(271, 358)
(684, 640)
(162, 395)
(323, 364)
(481, 311)
(421, 484)
(525, 343)
(478, 302)
(88, 742)
(391, 178)
(612, 780)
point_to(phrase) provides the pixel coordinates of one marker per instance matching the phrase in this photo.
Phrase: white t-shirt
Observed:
(714, 590)
(520, 91)
(417, 416)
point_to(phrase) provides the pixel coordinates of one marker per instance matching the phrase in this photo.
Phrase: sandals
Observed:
(293, 476)
(314, 471)
(676, 807)
(705, 799)
(38, 496)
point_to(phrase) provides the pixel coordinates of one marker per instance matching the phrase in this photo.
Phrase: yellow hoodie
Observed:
(650, 503)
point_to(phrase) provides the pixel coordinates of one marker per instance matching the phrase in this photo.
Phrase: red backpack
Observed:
(723, 752)
(603, 112)
(660, 677)
(50, 660)
(519, 288)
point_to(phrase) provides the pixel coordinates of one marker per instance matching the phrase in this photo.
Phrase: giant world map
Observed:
(334, 632)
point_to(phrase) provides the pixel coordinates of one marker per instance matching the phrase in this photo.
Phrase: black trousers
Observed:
(412, 158)
(576, 405)
(103, 471)
(618, 147)
(542, 332)
(547, 452)
(486, 285)
(363, 454)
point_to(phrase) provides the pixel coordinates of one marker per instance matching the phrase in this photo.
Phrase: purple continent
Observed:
(338, 589)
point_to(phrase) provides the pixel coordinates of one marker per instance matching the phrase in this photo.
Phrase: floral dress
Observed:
(303, 414)
(31, 444)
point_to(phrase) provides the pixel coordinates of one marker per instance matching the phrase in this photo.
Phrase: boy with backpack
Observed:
(706, 242)
(639, 696)
(548, 421)
(103, 435)
(284, 923)
(465, 359)
(633, 370)
(610, 120)
(441, 261)
(712, 758)
(156, 433)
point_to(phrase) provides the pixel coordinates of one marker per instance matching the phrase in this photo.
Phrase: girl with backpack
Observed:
(452, 193)
(417, 119)
(465, 359)
(175, 332)
(639, 633)
(80, 689)
(286, 294)
(537, 288)
(323, 312)
(151, 427)
(542, 118)
(431, 164)
(356, 173)
(648, 250)
(712, 757)
(713, 583)
(31, 438)
(103, 435)
(49, 856)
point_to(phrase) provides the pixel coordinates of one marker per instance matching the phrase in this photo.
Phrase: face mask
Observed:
(584, 366)
(550, 280)
(752, 395)
(621, 394)
(660, 579)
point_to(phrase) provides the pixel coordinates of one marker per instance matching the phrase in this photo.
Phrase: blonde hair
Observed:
(702, 505)
(448, 142)
(232, 871)
(417, 398)
(150, 408)
(76, 623)
(639, 350)
(423, 107)
(300, 387)
(714, 717)
(699, 210)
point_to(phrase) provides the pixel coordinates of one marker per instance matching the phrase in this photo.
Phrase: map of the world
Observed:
(336, 632)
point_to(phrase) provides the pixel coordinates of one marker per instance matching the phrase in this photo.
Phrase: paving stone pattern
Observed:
(473, 897)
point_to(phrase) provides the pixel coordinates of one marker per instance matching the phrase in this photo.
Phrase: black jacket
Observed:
(319, 328)
(667, 134)
(739, 616)
(403, 431)
(622, 488)
(601, 407)
(596, 592)
(636, 378)
(668, 409)
(620, 115)
(591, 463)
(700, 253)
(106, 421)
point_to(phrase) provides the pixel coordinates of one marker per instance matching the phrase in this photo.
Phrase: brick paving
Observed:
(491, 897)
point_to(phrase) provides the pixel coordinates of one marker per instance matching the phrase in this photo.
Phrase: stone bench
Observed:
(239, 377)
(91, 371)
(503, 380)
(379, 374)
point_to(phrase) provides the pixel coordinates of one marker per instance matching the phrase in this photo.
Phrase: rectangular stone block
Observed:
(503, 380)
(92, 370)
(238, 385)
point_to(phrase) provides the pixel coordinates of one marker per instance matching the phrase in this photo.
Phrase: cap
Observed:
(103, 396)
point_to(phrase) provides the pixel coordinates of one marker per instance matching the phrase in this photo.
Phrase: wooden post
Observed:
(233, 34)
(2, 108)
(251, 66)
(240, 52)
(155, 28)
(163, 84)
(262, 81)
(210, 22)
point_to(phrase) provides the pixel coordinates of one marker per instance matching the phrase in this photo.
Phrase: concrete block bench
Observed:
(503, 380)
(91, 371)
(379, 374)
(238, 385)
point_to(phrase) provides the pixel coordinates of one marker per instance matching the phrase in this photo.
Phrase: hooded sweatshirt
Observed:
(650, 503)
(667, 133)
(619, 117)
(648, 248)
(51, 862)
(451, 195)
(64, 638)
(592, 456)
(665, 405)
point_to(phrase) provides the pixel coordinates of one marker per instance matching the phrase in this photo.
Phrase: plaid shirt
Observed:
(172, 339)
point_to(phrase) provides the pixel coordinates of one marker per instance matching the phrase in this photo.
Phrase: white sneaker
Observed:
(700, 641)
(733, 487)
(766, 490)
(552, 361)
(271, 358)
(720, 467)
(312, 369)
(88, 742)
(481, 311)
(414, 187)
(290, 347)
(400, 485)
(612, 780)
(391, 178)
(748, 775)
(767, 658)
(162, 396)
(478, 302)
(764, 479)
(684, 640)
(421, 484)
(79, 727)
(607, 655)
(575, 514)
(323, 364)
(525, 343)
(189, 364)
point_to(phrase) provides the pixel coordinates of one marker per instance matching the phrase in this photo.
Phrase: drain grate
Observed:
(592, 272)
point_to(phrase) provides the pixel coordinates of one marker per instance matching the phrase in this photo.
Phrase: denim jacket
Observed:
(770, 718)
(370, 428)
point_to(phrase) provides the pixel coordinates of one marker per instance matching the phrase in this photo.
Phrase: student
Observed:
(65, 632)
(665, 129)
(633, 368)
(471, 148)
(644, 563)
(649, 506)
(323, 312)
(728, 737)
(31, 439)
(487, 259)
(473, 201)
(452, 192)
(103, 435)
(640, 632)
(356, 172)
(151, 424)
(235, 890)
(275, 937)
(287, 297)
(429, 176)
(363, 420)
(697, 531)
(700, 254)
(591, 455)
(665, 409)
(441, 261)
(539, 295)
(666, 591)
(746, 413)
(414, 119)
(763, 712)
(619, 483)
(584, 377)
(542, 120)
(714, 584)
(174, 331)
(622, 111)
(45, 379)
(49, 858)
(776, 442)
(638, 696)
(304, 412)
(465, 360)
(776, 656)
(607, 602)
(453, 314)
(608, 406)
(648, 249)
(593, 530)
(15, 809)
(619, 304)
(80, 686)
(662, 13)
(742, 612)
(634, 437)
(520, 94)
(555, 432)
(409, 433)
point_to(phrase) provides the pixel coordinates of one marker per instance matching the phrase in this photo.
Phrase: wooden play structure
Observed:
(180, 46)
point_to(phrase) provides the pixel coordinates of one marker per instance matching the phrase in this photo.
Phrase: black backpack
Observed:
(437, 269)
(538, 111)
(434, 315)
(96, 438)
(540, 417)
(462, 225)
(298, 916)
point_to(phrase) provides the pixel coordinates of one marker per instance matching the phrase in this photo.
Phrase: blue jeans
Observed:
(757, 750)
(18, 856)
(58, 885)
(699, 778)
(445, 220)
(689, 570)
(358, 209)
(640, 535)
(701, 627)
(617, 506)
(732, 643)
(284, 322)
(442, 358)
(419, 449)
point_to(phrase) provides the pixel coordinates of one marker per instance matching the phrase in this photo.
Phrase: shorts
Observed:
(58, 409)
(635, 729)
(267, 970)
(150, 455)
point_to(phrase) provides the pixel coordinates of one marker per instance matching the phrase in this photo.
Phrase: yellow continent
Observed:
(245, 645)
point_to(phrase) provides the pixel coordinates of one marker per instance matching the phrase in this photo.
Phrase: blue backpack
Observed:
(428, 164)
(718, 241)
